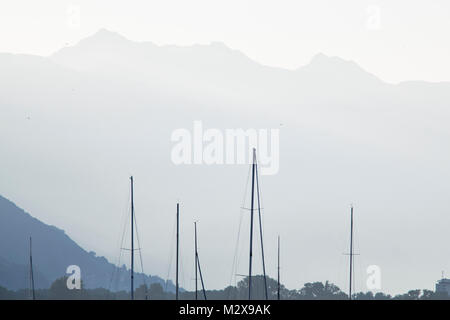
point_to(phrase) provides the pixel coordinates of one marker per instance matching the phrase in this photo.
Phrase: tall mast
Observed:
(260, 226)
(351, 254)
(178, 248)
(201, 278)
(197, 265)
(196, 259)
(278, 278)
(33, 295)
(132, 239)
(251, 227)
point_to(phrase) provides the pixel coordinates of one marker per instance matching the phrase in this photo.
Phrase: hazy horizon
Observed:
(398, 41)
(360, 123)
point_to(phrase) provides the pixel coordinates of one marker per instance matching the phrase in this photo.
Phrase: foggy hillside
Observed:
(75, 125)
(53, 252)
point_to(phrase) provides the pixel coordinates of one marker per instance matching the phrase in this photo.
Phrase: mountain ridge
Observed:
(70, 145)
(53, 252)
(109, 38)
(104, 38)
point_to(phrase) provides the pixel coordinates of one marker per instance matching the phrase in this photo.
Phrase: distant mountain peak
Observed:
(218, 44)
(103, 32)
(323, 59)
(320, 56)
(104, 36)
(334, 66)
(101, 41)
(107, 48)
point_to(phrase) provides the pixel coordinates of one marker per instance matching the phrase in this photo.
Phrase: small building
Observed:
(443, 285)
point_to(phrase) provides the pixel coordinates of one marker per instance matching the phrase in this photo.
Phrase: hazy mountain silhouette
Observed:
(17, 276)
(53, 252)
(76, 124)
(212, 69)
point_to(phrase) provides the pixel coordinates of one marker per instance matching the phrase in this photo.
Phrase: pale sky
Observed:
(390, 159)
(396, 40)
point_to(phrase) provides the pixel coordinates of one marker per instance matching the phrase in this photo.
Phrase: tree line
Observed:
(310, 291)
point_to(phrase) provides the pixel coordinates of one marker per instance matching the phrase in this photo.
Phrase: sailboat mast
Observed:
(198, 268)
(132, 239)
(351, 254)
(178, 248)
(260, 226)
(196, 260)
(278, 278)
(33, 295)
(251, 227)
(201, 278)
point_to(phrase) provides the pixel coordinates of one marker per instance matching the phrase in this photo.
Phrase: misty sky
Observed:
(78, 135)
(396, 40)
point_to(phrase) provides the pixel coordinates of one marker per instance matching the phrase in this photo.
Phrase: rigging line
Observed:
(197, 266)
(171, 251)
(183, 270)
(246, 187)
(341, 275)
(140, 255)
(113, 273)
(201, 277)
(124, 232)
(125, 215)
(261, 234)
(117, 269)
(234, 265)
(360, 259)
(138, 240)
(121, 239)
(235, 258)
